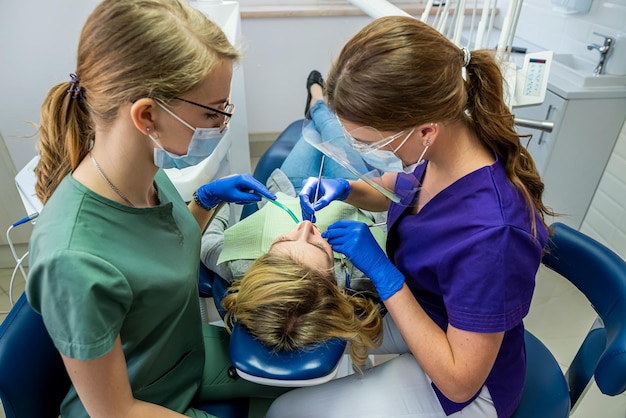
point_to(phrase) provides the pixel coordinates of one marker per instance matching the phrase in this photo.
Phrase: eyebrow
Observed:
(218, 102)
(318, 246)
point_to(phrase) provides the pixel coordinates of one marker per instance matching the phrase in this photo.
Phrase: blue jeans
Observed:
(304, 160)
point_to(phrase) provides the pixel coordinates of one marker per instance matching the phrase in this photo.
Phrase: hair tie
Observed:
(74, 87)
(467, 56)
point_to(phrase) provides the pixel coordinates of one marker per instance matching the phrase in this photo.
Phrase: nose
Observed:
(306, 229)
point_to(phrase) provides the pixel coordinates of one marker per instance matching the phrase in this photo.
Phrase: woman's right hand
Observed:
(354, 239)
(237, 188)
(329, 190)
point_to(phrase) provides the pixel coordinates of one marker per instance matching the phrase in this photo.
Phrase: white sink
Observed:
(580, 71)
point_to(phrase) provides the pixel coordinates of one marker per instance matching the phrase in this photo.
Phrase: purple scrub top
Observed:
(470, 259)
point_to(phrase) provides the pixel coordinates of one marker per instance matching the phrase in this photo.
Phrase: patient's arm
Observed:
(213, 242)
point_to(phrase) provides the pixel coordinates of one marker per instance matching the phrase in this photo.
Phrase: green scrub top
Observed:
(99, 269)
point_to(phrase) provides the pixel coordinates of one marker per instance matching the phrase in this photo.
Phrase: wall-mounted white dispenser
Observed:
(572, 6)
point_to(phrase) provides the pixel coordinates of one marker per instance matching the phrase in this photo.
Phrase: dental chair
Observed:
(251, 359)
(600, 275)
(271, 159)
(33, 380)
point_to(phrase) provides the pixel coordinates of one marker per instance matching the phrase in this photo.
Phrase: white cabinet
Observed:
(572, 158)
(541, 142)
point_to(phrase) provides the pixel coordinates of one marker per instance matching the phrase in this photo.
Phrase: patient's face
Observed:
(305, 244)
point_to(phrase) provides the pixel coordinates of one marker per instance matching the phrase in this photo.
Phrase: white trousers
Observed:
(397, 388)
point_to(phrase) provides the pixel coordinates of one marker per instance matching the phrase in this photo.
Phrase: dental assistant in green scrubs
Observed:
(114, 255)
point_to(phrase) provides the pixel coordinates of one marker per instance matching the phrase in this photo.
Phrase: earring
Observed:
(148, 129)
(428, 142)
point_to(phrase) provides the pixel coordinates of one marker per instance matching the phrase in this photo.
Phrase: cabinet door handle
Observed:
(548, 115)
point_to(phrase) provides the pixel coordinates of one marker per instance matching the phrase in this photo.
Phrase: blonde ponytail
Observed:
(64, 139)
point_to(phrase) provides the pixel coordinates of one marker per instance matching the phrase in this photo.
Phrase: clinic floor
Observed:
(559, 316)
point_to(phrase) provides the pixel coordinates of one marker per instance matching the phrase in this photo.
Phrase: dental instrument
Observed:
(482, 26)
(426, 13)
(377, 224)
(283, 207)
(441, 26)
(319, 180)
(459, 17)
(379, 7)
(344, 266)
(492, 15)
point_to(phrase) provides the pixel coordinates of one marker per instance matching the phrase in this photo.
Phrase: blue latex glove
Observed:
(355, 240)
(330, 189)
(240, 188)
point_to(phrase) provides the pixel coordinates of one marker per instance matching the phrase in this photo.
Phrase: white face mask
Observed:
(202, 144)
(388, 161)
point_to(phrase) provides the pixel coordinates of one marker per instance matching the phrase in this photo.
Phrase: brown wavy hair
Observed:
(128, 49)
(288, 306)
(398, 72)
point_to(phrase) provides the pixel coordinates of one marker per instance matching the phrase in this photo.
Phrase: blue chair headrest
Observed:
(253, 358)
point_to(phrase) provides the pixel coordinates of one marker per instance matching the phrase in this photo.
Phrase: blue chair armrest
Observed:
(212, 285)
(205, 281)
(582, 260)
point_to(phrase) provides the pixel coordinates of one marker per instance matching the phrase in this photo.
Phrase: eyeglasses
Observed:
(374, 138)
(229, 110)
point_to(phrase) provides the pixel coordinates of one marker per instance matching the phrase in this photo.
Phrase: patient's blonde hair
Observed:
(287, 306)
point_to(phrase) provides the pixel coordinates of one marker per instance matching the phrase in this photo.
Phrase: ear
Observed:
(142, 113)
(428, 132)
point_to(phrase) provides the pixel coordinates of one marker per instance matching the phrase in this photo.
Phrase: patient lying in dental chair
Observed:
(288, 288)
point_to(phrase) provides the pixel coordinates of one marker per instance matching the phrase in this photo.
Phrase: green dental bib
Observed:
(252, 237)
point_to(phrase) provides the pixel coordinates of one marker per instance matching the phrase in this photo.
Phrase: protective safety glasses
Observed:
(332, 143)
(367, 139)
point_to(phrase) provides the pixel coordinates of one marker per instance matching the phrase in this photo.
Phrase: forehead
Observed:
(304, 252)
(215, 87)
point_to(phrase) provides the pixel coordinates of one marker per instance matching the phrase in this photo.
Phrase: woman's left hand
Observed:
(355, 240)
(238, 188)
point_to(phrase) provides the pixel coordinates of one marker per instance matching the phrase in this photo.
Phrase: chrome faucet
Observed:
(604, 52)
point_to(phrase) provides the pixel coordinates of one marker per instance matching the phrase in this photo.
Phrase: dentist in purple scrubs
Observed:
(462, 251)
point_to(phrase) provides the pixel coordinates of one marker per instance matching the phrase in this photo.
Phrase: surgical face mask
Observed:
(384, 160)
(388, 161)
(202, 144)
